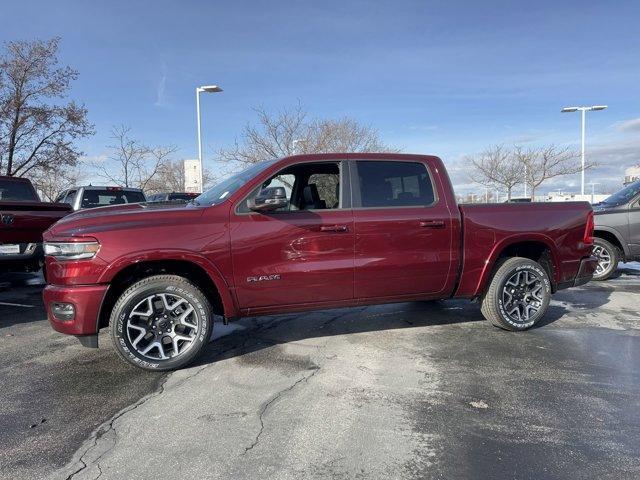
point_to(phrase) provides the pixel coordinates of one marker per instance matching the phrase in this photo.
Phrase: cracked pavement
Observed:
(411, 390)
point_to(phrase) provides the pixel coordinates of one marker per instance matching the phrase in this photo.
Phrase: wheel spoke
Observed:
(183, 317)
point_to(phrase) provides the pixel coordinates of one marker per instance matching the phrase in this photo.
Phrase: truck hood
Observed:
(123, 217)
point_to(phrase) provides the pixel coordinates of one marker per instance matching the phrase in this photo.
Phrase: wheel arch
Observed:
(198, 270)
(538, 248)
(613, 237)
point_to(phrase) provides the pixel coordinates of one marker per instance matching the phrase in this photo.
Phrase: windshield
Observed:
(223, 190)
(102, 198)
(625, 195)
(16, 191)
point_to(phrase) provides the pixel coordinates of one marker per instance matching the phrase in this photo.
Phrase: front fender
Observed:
(116, 266)
(615, 233)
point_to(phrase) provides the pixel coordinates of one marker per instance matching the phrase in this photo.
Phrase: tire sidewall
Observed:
(139, 292)
(525, 266)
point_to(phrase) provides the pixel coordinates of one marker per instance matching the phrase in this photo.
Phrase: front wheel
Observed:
(608, 258)
(161, 323)
(518, 295)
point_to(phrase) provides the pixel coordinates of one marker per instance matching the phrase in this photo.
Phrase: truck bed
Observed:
(489, 229)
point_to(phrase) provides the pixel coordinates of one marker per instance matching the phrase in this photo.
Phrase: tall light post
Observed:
(583, 111)
(199, 90)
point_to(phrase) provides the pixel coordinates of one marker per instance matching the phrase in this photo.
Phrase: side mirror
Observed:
(269, 199)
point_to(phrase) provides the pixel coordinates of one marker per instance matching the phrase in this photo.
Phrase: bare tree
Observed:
(548, 162)
(37, 130)
(132, 163)
(51, 181)
(170, 177)
(497, 167)
(289, 131)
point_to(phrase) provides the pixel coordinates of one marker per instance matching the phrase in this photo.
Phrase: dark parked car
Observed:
(171, 196)
(301, 233)
(617, 230)
(23, 218)
(91, 197)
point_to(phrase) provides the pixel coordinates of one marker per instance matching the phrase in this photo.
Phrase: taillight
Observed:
(588, 231)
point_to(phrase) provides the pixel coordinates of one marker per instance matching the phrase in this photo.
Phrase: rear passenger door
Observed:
(403, 231)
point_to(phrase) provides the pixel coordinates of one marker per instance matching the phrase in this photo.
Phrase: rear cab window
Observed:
(104, 197)
(16, 191)
(384, 184)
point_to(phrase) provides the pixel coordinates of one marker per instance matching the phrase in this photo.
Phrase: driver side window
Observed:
(308, 186)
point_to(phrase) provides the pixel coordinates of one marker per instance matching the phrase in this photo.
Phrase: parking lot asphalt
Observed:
(412, 390)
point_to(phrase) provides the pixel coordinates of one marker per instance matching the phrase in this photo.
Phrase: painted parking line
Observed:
(7, 304)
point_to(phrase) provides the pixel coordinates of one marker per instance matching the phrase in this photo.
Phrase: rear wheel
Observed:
(161, 323)
(608, 257)
(518, 295)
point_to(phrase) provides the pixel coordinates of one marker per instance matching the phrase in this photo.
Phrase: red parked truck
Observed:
(23, 218)
(301, 233)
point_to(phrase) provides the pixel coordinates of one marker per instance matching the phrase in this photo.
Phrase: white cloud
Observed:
(632, 125)
(161, 97)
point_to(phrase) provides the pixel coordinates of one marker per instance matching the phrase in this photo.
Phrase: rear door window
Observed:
(393, 184)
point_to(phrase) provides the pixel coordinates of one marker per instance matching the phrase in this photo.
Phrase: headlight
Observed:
(71, 250)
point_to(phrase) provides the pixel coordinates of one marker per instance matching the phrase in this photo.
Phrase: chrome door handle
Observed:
(432, 223)
(333, 228)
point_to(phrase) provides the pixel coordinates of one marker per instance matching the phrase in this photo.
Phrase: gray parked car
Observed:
(617, 232)
(92, 196)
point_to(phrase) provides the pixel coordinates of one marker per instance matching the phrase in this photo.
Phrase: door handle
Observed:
(333, 228)
(432, 223)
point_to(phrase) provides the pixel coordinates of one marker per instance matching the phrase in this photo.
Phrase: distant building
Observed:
(571, 197)
(192, 176)
(631, 174)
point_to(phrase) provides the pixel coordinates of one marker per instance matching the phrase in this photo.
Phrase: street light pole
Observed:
(199, 90)
(583, 111)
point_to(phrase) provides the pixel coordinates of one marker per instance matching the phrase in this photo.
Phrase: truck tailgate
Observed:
(24, 222)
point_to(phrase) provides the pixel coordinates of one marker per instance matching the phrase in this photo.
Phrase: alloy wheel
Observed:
(162, 326)
(522, 296)
(604, 259)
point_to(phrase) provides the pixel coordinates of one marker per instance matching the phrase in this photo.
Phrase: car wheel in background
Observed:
(518, 295)
(161, 323)
(608, 257)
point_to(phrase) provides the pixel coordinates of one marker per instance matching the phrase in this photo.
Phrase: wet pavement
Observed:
(53, 392)
(412, 390)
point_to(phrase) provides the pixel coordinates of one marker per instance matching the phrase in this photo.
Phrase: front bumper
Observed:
(30, 257)
(86, 300)
(585, 273)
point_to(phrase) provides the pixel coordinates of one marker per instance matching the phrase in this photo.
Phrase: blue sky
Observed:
(441, 77)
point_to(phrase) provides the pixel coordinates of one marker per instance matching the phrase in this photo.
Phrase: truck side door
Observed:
(403, 230)
(301, 254)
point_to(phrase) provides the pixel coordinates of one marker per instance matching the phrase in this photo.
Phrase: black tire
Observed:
(187, 301)
(496, 301)
(608, 258)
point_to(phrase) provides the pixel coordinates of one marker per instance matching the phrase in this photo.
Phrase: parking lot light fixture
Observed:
(582, 111)
(199, 90)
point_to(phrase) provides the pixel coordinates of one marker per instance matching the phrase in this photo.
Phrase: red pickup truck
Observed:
(23, 218)
(301, 233)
